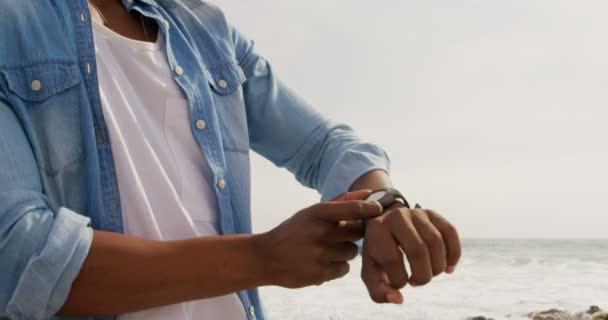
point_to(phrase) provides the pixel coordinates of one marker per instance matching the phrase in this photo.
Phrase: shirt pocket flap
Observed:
(37, 82)
(226, 78)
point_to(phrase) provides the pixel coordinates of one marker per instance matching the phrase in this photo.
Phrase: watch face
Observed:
(377, 196)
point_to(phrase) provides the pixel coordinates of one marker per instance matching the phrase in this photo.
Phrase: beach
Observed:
(498, 279)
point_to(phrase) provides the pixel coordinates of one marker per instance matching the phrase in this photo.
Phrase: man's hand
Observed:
(430, 243)
(314, 245)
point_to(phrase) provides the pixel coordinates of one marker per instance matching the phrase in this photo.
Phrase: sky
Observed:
(493, 112)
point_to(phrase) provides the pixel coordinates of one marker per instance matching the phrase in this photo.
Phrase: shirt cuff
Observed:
(351, 165)
(45, 283)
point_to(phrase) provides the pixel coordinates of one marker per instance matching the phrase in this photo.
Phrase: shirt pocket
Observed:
(50, 96)
(226, 87)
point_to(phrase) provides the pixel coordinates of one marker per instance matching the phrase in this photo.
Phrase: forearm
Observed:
(125, 274)
(372, 180)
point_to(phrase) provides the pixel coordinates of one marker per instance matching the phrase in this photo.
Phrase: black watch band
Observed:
(387, 197)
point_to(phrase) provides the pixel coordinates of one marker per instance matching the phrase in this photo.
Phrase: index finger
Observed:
(450, 237)
(349, 210)
(352, 195)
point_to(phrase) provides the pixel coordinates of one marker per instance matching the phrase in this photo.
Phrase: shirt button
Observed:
(36, 85)
(179, 71)
(221, 184)
(201, 124)
(88, 67)
(166, 24)
(83, 17)
(223, 84)
(252, 311)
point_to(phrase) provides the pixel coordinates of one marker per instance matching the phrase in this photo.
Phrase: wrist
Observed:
(261, 260)
(372, 180)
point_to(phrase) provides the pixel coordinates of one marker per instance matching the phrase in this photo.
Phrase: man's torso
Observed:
(54, 92)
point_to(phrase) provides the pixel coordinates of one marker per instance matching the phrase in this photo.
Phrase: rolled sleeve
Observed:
(321, 153)
(41, 248)
(45, 283)
(353, 163)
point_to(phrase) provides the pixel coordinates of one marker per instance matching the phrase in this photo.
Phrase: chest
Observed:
(54, 91)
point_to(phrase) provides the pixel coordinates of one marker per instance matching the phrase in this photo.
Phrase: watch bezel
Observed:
(391, 196)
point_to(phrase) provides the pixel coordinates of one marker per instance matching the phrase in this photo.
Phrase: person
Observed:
(125, 133)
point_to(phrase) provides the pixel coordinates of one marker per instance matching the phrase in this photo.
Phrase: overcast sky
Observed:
(493, 112)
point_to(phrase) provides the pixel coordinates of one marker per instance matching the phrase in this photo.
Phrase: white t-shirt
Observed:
(164, 180)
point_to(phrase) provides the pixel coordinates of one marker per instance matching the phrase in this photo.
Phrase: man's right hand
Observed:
(315, 244)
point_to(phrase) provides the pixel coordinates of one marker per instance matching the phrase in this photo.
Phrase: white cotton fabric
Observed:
(164, 181)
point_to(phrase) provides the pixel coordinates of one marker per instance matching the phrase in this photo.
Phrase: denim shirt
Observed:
(57, 177)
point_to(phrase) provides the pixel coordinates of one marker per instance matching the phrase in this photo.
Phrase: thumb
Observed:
(377, 283)
(353, 195)
(351, 210)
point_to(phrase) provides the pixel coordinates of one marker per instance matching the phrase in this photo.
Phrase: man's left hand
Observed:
(430, 243)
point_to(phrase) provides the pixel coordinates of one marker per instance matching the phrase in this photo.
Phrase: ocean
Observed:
(498, 278)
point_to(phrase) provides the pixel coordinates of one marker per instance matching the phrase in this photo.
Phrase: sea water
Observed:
(503, 279)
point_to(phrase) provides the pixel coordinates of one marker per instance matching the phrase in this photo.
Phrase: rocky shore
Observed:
(593, 313)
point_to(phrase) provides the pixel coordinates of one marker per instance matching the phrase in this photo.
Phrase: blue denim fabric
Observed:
(57, 177)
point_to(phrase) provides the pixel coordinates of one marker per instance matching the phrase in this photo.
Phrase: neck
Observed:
(129, 24)
(105, 3)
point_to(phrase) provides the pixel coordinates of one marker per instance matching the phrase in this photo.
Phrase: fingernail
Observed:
(378, 204)
(450, 269)
(394, 298)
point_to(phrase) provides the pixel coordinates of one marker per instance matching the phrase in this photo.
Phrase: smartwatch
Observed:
(387, 196)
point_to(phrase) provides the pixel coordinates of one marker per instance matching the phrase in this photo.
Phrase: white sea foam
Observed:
(504, 279)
